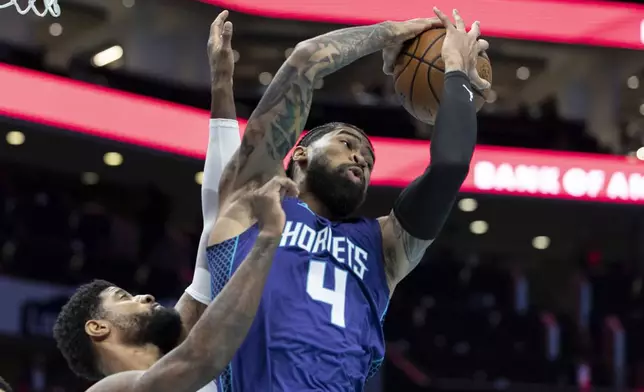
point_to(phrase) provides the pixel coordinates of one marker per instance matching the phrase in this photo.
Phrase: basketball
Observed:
(419, 71)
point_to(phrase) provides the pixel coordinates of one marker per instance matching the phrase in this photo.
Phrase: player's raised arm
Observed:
(280, 116)
(423, 207)
(222, 67)
(223, 141)
(222, 328)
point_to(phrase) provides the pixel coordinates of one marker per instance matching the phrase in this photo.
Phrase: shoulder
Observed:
(119, 382)
(365, 231)
(361, 221)
(234, 216)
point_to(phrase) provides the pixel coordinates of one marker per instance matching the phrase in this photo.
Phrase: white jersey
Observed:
(224, 139)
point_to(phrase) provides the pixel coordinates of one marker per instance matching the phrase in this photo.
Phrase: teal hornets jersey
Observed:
(319, 322)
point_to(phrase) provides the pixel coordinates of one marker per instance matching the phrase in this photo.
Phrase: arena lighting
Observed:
(640, 153)
(199, 177)
(152, 123)
(479, 227)
(265, 78)
(633, 82)
(523, 73)
(113, 159)
(89, 178)
(15, 138)
(599, 23)
(467, 204)
(55, 29)
(107, 56)
(541, 242)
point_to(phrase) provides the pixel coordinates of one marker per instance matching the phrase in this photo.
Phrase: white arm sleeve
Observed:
(223, 141)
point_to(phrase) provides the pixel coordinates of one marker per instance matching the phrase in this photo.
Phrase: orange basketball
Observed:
(419, 75)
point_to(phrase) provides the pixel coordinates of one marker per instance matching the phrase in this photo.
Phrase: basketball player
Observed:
(134, 340)
(104, 331)
(318, 326)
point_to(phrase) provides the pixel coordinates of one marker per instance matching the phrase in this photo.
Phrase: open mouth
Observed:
(355, 173)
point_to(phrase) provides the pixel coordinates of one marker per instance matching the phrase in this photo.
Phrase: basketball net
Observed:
(51, 6)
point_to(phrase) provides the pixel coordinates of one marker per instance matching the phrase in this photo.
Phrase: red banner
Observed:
(161, 125)
(564, 21)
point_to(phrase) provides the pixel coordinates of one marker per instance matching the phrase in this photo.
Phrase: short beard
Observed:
(333, 188)
(161, 327)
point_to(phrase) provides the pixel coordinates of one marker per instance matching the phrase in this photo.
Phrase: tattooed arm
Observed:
(280, 116)
(222, 328)
(402, 252)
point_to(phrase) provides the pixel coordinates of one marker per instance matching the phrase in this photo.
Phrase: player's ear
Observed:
(97, 329)
(300, 155)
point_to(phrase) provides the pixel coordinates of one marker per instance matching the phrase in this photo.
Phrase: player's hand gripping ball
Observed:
(419, 68)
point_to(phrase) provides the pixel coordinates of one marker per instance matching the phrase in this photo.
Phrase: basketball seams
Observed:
(424, 61)
(413, 79)
(402, 71)
(423, 101)
(429, 80)
(408, 62)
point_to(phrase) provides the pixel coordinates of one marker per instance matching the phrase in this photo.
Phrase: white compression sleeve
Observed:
(224, 139)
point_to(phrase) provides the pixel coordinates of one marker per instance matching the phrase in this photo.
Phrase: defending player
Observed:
(318, 327)
(103, 330)
(130, 335)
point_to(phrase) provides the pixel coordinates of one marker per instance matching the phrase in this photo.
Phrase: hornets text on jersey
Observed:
(319, 323)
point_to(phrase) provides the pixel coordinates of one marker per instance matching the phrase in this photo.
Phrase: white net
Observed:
(51, 7)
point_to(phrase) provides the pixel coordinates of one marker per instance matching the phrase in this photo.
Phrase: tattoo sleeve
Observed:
(219, 332)
(402, 251)
(280, 116)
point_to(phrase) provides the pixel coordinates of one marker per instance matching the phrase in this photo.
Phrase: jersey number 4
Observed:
(335, 297)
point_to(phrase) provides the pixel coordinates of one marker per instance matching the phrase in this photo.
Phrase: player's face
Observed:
(339, 170)
(141, 320)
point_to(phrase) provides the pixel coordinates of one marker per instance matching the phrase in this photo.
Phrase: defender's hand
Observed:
(401, 32)
(266, 204)
(220, 52)
(461, 48)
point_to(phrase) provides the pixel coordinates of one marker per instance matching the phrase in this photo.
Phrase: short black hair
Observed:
(315, 134)
(69, 330)
(4, 385)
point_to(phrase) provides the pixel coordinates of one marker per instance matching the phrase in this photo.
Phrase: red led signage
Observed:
(565, 21)
(112, 114)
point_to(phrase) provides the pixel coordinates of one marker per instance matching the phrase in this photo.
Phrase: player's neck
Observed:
(124, 358)
(316, 205)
